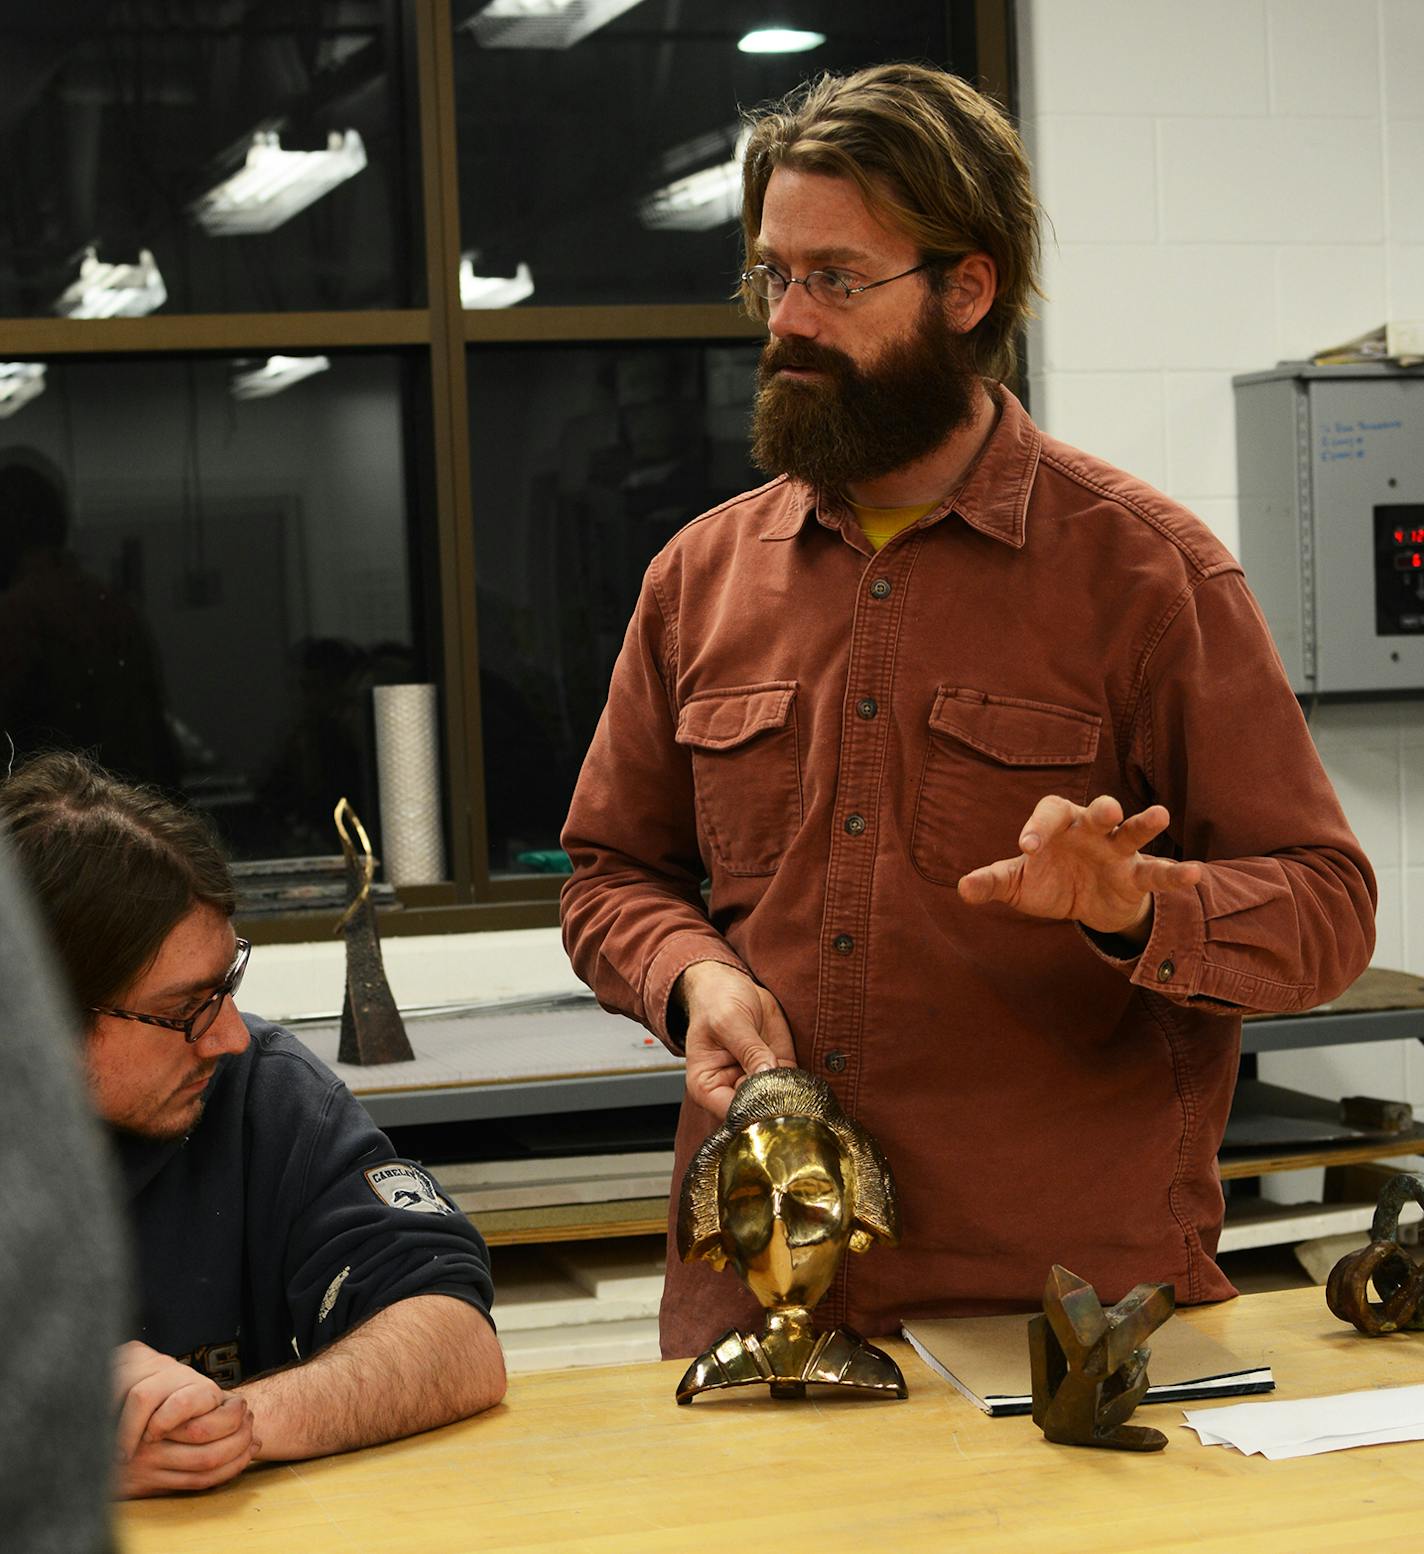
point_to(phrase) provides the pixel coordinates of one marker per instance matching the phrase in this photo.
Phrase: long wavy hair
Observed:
(930, 156)
(112, 867)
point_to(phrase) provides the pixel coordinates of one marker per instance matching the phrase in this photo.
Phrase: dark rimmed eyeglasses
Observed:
(200, 1022)
(824, 286)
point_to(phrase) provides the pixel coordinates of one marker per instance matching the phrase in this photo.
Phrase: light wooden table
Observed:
(604, 1462)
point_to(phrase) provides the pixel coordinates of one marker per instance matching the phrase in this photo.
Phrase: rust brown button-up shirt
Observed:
(834, 736)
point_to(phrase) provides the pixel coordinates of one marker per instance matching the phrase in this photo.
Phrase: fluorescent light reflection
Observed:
(493, 291)
(20, 382)
(542, 24)
(701, 200)
(113, 290)
(780, 40)
(273, 185)
(274, 375)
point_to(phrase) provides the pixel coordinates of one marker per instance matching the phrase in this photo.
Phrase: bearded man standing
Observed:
(1006, 804)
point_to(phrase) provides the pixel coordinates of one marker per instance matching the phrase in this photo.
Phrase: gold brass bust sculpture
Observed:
(780, 1191)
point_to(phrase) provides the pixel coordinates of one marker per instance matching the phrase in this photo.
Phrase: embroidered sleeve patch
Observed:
(405, 1186)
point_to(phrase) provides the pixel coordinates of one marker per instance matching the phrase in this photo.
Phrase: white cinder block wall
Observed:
(1229, 184)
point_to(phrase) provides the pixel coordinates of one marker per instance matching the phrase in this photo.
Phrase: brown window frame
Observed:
(472, 899)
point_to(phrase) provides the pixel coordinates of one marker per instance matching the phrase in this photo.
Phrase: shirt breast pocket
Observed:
(990, 759)
(746, 768)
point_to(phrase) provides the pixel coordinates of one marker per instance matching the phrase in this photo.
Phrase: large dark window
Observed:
(594, 457)
(119, 117)
(232, 578)
(597, 165)
(422, 421)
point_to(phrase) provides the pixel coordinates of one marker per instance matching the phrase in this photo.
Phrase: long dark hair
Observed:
(931, 156)
(113, 867)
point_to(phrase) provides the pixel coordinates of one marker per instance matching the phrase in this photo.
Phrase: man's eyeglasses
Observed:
(824, 286)
(201, 1020)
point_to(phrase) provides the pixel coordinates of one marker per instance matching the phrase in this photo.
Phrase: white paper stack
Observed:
(524, 1184)
(579, 1303)
(1312, 1425)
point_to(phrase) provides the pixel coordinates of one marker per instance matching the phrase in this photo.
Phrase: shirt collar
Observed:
(993, 498)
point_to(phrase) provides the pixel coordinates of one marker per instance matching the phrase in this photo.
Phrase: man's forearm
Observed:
(424, 1362)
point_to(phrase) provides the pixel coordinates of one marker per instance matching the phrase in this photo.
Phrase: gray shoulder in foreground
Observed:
(62, 1284)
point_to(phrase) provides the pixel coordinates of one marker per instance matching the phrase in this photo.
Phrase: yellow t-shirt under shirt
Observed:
(880, 524)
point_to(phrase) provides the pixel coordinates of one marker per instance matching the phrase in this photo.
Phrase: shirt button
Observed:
(880, 588)
(1166, 971)
(866, 707)
(855, 825)
(836, 1062)
(842, 944)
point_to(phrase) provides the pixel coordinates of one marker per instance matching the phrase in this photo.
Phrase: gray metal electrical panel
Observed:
(1330, 466)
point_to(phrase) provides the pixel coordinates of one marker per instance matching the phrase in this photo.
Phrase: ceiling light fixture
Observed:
(274, 375)
(699, 201)
(542, 24)
(493, 291)
(20, 382)
(273, 185)
(780, 40)
(113, 290)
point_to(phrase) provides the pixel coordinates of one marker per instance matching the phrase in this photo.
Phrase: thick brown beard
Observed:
(858, 423)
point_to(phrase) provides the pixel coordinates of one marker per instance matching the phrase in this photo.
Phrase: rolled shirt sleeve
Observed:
(339, 1224)
(632, 912)
(1283, 918)
(375, 1229)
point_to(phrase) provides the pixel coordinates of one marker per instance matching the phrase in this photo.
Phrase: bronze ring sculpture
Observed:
(1385, 1264)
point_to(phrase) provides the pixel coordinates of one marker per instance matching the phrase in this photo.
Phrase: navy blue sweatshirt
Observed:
(284, 1219)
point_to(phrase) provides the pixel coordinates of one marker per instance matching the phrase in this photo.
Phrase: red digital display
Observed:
(1398, 532)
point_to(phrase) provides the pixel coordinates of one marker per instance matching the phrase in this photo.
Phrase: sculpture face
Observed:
(786, 1209)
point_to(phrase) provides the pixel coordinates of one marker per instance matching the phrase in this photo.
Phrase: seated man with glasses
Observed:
(301, 1289)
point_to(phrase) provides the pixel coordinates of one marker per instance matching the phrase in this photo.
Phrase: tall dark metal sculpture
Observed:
(1398, 1281)
(372, 1030)
(1089, 1366)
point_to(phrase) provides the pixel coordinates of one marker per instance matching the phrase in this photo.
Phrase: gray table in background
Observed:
(565, 1054)
(560, 1054)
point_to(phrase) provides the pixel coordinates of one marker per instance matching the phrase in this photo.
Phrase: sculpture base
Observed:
(788, 1362)
(373, 1031)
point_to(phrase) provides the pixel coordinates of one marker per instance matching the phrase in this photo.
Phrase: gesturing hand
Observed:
(177, 1429)
(1084, 865)
(734, 1028)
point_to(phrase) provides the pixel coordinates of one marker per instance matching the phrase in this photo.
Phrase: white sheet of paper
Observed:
(1311, 1425)
(1342, 1442)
